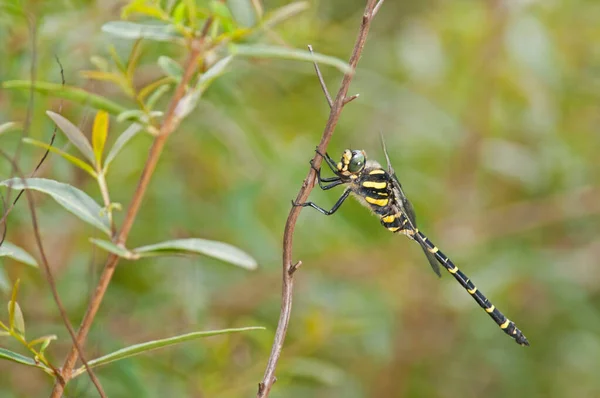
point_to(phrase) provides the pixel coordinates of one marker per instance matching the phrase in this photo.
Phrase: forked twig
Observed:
(264, 387)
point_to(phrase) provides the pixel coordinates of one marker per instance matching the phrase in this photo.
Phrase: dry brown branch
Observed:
(264, 387)
(169, 125)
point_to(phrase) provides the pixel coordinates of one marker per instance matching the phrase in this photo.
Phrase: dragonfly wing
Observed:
(432, 261)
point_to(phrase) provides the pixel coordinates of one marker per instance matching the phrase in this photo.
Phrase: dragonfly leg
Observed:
(322, 210)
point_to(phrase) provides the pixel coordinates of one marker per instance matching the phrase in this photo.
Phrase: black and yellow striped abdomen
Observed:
(505, 324)
(375, 187)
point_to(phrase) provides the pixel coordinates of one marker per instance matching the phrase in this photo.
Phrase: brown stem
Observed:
(169, 125)
(52, 283)
(264, 387)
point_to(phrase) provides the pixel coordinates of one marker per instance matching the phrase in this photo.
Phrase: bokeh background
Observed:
(490, 112)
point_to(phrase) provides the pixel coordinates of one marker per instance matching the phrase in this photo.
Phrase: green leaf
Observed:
(73, 159)
(99, 133)
(179, 13)
(217, 70)
(72, 93)
(100, 63)
(12, 304)
(243, 12)
(19, 321)
(142, 7)
(283, 13)
(222, 14)
(134, 31)
(219, 250)
(170, 67)
(16, 253)
(9, 126)
(114, 249)
(155, 85)
(18, 358)
(155, 344)
(156, 95)
(188, 103)
(120, 143)
(191, 7)
(44, 341)
(69, 197)
(74, 135)
(264, 51)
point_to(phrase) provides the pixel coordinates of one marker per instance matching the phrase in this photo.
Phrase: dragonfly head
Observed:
(352, 162)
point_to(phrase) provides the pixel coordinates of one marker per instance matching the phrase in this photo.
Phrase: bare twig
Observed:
(265, 386)
(321, 80)
(351, 98)
(376, 9)
(52, 282)
(169, 125)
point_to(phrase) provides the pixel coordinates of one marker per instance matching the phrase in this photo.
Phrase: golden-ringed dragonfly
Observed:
(381, 191)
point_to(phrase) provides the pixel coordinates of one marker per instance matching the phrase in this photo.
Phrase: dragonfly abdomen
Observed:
(501, 320)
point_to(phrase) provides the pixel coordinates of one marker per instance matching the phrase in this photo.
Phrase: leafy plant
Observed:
(209, 37)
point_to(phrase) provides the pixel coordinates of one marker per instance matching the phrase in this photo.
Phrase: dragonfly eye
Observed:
(357, 163)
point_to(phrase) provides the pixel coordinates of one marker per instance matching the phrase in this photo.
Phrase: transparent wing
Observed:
(407, 208)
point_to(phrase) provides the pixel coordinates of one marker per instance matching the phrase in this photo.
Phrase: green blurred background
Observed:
(490, 112)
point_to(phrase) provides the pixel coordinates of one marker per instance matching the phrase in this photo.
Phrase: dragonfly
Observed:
(381, 191)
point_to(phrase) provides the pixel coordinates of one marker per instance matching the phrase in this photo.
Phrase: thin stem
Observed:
(321, 80)
(264, 387)
(106, 199)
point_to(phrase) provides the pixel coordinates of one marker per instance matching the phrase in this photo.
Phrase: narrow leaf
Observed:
(188, 103)
(243, 12)
(19, 321)
(100, 63)
(144, 92)
(283, 13)
(104, 77)
(69, 197)
(170, 67)
(16, 253)
(13, 356)
(73, 159)
(44, 340)
(12, 304)
(264, 51)
(155, 344)
(156, 95)
(120, 143)
(142, 7)
(99, 133)
(9, 126)
(114, 249)
(215, 71)
(74, 135)
(134, 31)
(218, 250)
(71, 93)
